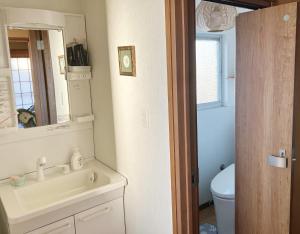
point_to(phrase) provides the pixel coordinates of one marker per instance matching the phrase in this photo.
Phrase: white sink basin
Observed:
(50, 191)
(57, 191)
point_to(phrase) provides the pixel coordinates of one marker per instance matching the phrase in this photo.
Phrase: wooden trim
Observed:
(205, 205)
(19, 47)
(18, 39)
(19, 53)
(279, 2)
(180, 26)
(250, 4)
(49, 78)
(38, 79)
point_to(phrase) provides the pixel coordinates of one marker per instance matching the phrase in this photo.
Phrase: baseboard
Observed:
(205, 205)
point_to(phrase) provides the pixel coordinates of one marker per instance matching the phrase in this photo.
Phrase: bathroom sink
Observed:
(58, 190)
(50, 191)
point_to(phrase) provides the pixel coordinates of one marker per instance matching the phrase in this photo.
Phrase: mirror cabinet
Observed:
(44, 72)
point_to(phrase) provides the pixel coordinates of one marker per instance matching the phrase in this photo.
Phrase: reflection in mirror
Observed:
(38, 72)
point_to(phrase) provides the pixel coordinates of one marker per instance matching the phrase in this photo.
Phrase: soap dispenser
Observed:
(76, 160)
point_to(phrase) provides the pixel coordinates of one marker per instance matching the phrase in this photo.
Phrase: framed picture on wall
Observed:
(127, 63)
(62, 64)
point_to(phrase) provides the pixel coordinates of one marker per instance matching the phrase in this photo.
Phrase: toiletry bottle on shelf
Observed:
(76, 160)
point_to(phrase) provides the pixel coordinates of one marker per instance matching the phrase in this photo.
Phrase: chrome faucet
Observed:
(41, 163)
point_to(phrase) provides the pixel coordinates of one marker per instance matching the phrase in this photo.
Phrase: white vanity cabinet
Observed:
(107, 219)
(65, 226)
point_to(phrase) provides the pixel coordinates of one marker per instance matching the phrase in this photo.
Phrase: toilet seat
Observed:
(223, 185)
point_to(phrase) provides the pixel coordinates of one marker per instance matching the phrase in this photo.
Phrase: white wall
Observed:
(104, 133)
(216, 126)
(216, 145)
(56, 41)
(20, 151)
(70, 6)
(141, 113)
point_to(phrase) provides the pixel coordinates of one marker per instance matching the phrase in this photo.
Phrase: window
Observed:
(22, 81)
(209, 72)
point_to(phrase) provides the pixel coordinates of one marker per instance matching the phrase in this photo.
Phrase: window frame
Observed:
(220, 102)
(14, 82)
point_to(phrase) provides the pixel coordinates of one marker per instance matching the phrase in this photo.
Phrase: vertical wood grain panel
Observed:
(49, 78)
(180, 27)
(295, 205)
(264, 118)
(279, 2)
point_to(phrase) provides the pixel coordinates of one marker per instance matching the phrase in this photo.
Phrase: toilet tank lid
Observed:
(223, 185)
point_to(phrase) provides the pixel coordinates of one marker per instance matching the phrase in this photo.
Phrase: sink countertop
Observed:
(17, 211)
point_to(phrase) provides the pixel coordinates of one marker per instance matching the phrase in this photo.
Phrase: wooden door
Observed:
(42, 77)
(266, 41)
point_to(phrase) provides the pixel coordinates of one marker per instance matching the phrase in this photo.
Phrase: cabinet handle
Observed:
(94, 215)
(59, 229)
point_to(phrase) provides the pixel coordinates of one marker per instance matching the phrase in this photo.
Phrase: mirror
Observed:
(38, 73)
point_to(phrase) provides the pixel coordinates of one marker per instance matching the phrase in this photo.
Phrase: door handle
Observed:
(60, 229)
(278, 161)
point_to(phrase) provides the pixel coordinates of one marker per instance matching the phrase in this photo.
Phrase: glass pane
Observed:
(27, 99)
(15, 75)
(19, 100)
(208, 70)
(23, 63)
(22, 83)
(26, 87)
(24, 75)
(27, 106)
(17, 87)
(14, 64)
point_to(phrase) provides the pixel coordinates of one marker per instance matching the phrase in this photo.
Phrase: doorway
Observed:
(216, 79)
(181, 34)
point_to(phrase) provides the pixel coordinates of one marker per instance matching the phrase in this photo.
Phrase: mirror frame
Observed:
(18, 18)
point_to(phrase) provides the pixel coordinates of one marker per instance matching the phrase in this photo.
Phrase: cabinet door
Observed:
(104, 219)
(65, 226)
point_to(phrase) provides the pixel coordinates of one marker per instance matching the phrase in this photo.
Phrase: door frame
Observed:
(181, 70)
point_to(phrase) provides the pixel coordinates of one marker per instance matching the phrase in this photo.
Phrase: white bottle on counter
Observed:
(76, 160)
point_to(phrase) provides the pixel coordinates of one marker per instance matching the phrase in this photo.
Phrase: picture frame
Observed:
(62, 64)
(127, 62)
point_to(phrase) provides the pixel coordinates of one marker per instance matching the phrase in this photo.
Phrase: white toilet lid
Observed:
(223, 185)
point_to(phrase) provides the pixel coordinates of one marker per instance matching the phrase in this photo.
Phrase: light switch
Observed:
(145, 119)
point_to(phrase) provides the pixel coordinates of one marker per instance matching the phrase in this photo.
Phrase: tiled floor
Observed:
(207, 215)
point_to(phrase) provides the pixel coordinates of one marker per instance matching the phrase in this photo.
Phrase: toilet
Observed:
(223, 191)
